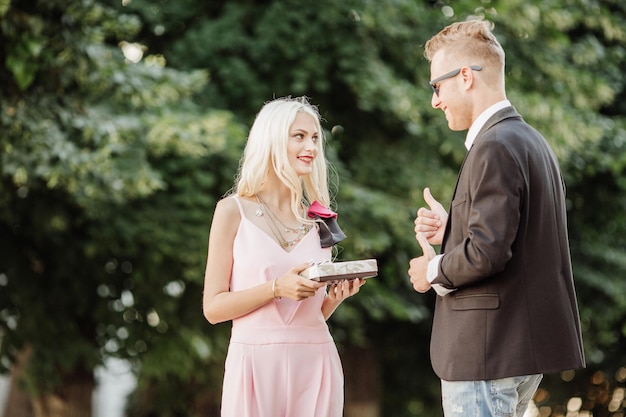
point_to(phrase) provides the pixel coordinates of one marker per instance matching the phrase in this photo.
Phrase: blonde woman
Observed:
(282, 360)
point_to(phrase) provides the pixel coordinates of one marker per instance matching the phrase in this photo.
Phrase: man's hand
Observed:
(418, 267)
(431, 222)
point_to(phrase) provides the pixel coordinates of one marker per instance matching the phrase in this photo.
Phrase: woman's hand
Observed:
(293, 285)
(339, 291)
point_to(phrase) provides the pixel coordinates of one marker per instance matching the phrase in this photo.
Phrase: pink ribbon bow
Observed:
(317, 209)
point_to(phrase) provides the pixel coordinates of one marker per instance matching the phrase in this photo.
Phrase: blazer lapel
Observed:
(447, 231)
(506, 113)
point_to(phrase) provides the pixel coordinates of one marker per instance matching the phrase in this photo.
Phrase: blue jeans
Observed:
(506, 397)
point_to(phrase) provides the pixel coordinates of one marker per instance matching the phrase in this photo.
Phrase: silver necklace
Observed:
(272, 219)
(286, 229)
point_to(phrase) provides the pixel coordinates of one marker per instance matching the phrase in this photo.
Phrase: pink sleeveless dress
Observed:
(282, 360)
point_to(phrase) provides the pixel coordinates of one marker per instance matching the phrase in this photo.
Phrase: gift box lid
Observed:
(335, 271)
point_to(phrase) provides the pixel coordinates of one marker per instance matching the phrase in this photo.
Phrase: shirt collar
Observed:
(481, 120)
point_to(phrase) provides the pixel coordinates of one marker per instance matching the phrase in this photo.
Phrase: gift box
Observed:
(337, 271)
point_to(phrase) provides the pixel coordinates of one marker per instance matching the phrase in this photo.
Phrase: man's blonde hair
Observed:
(468, 43)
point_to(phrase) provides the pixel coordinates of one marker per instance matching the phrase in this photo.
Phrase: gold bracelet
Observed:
(274, 290)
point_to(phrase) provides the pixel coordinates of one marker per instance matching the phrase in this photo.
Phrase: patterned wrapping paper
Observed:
(336, 271)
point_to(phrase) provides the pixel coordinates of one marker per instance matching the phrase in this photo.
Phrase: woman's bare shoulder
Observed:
(235, 206)
(226, 213)
(227, 204)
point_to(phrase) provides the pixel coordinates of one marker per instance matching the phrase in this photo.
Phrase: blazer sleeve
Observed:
(484, 215)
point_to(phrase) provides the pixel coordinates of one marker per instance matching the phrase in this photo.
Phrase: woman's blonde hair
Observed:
(266, 149)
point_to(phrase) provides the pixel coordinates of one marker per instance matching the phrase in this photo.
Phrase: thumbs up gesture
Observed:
(431, 222)
(418, 267)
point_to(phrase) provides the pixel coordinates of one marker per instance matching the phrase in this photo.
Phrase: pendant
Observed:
(258, 212)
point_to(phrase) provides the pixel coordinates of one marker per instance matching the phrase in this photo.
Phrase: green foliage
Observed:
(108, 177)
(362, 62)
(109, 170)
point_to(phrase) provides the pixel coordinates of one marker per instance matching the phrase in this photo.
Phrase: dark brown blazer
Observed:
(506, 253)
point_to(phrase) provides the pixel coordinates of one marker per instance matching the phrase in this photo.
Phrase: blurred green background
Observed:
(121, 125)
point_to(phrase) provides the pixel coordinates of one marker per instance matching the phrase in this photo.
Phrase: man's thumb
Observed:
(428, 198)
(428, 250)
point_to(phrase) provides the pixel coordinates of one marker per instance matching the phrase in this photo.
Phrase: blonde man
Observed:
(506, 310)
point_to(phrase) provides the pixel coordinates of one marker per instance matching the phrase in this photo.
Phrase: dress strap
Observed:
(236, 198)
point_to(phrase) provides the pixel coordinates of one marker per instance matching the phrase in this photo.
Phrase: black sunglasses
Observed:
(433, 83)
